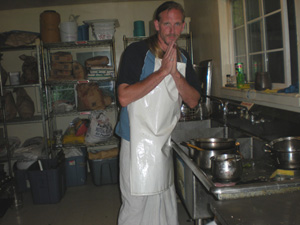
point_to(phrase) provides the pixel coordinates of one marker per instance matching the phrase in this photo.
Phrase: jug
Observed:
(262, 81)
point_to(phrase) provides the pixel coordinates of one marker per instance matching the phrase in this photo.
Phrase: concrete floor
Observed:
(82, 205)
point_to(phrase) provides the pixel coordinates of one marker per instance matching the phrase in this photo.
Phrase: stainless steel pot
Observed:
(214, 143)
(286, 151)
(202, 157)
(226, 168)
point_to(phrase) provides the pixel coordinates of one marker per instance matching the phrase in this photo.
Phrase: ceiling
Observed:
(21, 4)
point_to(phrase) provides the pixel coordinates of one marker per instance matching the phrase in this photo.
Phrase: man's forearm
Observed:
(188, 93)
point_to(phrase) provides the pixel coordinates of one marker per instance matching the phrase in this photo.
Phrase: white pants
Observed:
(160, 209)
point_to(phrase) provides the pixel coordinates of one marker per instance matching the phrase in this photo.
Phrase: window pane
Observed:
(237, 13)
(274, 31)
(239, 42)
(256, 65)
(255, 37)
(271, 5)
(293, 41)
(252, 9)
(276, 67)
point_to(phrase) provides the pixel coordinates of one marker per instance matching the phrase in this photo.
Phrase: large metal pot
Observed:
(286, 151)
(214, 143)
(202, 156)
(226, 168)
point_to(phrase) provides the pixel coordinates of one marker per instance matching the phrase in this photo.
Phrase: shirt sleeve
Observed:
(131, 64)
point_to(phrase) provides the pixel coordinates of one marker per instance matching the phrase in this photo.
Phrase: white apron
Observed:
(152, 119)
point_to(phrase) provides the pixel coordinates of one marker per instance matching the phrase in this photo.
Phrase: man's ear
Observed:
(156, 25)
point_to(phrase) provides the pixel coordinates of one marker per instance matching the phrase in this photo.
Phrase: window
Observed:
(264, 33)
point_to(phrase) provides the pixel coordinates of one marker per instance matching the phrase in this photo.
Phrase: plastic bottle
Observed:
(240, 77)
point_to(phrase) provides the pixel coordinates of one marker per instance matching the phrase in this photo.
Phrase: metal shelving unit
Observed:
(75, 47)
(41, 117)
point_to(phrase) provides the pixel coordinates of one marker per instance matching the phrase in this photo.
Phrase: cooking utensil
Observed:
(262, 81)
(226, 168)
(202, 158)
(214, 143)
(192, 146)
(286, 151)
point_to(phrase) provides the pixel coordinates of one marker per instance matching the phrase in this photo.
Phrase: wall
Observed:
(206, 35)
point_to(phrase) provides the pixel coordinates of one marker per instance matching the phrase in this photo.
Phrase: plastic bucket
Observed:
(68, 31)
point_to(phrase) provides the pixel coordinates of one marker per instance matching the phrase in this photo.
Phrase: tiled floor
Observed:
(82, 205)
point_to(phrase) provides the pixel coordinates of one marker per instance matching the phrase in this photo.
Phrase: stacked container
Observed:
(103, 30)
(104, 165)
(76, 169)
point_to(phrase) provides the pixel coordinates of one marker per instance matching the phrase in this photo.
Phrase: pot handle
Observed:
(191, 150)
(268, 148)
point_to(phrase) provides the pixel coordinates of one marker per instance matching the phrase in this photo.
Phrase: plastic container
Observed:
(76, 169)
(83, 33)
(68, 31)
(49, 185)
(103, 33)
(14, 78)
(21, 178)
(108, 24)
(104, 171)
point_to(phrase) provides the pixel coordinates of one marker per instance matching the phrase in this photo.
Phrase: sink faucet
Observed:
(224, 106)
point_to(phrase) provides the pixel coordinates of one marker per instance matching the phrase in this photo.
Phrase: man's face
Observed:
(169, 27)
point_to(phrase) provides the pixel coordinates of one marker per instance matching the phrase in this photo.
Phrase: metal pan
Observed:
(214, 143)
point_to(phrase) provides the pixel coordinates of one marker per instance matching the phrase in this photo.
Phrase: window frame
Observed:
(285, 39)
(286, 101)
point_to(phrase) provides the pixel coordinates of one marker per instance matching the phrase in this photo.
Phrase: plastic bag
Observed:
(100, 128)
(72, 152)
(31, 149)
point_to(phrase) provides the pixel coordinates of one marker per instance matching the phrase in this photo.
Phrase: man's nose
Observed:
(172, 29)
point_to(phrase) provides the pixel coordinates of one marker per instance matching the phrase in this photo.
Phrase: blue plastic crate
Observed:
(47, 186)
(104, 171)
(76, 171)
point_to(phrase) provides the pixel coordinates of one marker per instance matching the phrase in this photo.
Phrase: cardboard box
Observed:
(61, 57)
(61, 66)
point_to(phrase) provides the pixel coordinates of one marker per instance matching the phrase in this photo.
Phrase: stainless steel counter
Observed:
(203, 199)
(249, 186)
(280, 209)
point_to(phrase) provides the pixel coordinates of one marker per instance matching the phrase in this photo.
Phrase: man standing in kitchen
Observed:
(155, 76)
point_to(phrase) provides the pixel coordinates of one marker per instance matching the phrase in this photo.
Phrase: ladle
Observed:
(191, 146)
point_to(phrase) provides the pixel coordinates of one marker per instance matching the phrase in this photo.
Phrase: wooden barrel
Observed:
(49, 26)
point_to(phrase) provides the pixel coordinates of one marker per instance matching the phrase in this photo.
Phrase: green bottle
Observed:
(240, 77)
